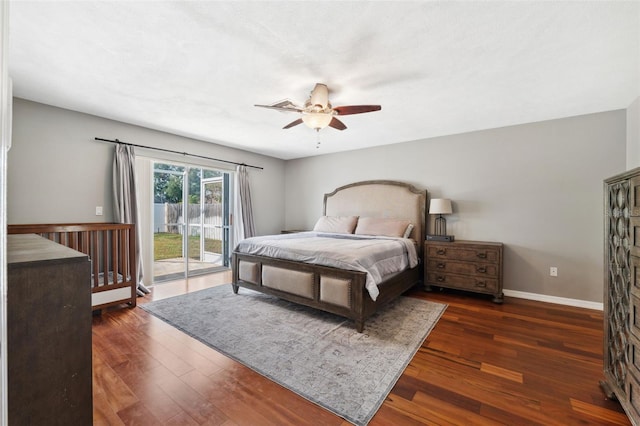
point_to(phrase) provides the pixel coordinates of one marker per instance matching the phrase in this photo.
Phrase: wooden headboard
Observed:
(380, 198)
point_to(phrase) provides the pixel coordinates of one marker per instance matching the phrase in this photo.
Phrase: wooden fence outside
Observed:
(170, 215)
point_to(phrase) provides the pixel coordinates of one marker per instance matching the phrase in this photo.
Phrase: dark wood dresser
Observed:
(465, 265)
(48, 333)
(622, 291)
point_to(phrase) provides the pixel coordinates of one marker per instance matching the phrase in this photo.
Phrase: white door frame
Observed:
(6, 100)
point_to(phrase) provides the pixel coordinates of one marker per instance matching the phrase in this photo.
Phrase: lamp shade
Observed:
(440, 206)
(317, 120)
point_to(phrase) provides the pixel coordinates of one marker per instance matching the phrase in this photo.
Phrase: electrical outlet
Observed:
(553, 271)
(98, 210)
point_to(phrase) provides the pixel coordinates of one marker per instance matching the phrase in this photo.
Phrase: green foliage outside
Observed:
(169, 246)
(168, 187)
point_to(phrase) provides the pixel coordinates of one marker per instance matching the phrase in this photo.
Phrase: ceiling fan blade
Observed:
(293, 123)
(337, 124)
(285, 105)
(279, 108)
(356, 109)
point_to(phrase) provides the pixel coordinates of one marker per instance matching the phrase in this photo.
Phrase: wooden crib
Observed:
(111, 248)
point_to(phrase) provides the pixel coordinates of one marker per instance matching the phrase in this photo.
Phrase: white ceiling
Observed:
(437, 68)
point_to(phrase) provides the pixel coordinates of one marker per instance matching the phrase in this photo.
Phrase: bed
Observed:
(111, 249)
(340, 290)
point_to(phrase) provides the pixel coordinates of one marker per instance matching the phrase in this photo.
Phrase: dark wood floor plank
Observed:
(146, 386)
(137, 414)
(103, 412)
(599, 412)
(182, 419)
(185, 352)
(522, 362)
(196, 406)
(111, 385)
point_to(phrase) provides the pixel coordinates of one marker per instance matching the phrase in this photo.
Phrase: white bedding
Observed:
(377, 256)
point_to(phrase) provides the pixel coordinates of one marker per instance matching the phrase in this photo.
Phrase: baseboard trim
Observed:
(554, 299)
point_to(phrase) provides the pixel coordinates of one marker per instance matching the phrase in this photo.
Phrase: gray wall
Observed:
(535, 187)
(58, 173)
(633, 134)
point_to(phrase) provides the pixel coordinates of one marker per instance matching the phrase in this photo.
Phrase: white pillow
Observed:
(336, 224)
(382, 227)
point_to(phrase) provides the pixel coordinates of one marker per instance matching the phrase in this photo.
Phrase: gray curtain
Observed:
(125, 202)
(244, 201)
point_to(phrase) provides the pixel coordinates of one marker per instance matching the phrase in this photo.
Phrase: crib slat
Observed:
(114, 258)
(72, 240)
(85, 242)
(95, 259)
(122, 251)
(105, 256)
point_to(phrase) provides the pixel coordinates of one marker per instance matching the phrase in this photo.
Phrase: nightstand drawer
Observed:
(465, 265)
(471, 254)
(463, 282)
(465, 268)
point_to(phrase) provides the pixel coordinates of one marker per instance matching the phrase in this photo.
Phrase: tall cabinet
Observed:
(48, 333)
(622, 291)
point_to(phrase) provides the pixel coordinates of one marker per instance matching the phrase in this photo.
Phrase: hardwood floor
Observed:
(520, 363)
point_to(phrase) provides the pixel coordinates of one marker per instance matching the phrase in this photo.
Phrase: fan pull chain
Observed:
(317, 138)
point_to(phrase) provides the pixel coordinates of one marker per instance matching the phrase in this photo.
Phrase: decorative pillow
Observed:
(381, 226)
(407, 233)
(336, 224)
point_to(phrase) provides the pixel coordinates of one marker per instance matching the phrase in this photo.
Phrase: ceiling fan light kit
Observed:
(316, 120)
(317, 112)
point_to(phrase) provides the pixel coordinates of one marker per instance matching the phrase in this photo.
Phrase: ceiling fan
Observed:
(317, 112)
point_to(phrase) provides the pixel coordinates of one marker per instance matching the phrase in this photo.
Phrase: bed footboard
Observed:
(111, 248)
(338, 291)
(333, 290)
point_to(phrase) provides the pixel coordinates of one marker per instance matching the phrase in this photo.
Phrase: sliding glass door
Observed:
(214, 204)
(191, 221)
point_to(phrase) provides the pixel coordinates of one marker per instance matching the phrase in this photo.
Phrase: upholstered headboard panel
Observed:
(380, 198)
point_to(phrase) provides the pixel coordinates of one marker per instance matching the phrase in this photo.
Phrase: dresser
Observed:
(465, 265)
(622, 291)
(48, 333)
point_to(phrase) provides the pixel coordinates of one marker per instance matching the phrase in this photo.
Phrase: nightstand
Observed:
(465, 265)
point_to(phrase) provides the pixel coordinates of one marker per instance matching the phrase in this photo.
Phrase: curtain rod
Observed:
(178, 152)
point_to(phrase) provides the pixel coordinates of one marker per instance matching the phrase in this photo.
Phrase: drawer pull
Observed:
(481, 283)
(441, 251)
(440, 278)
(482, 255)
(441, 265)
(482, 270)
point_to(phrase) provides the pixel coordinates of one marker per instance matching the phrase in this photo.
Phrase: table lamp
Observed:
(440, 206)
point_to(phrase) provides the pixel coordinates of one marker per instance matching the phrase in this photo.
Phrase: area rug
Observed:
(317, 355)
